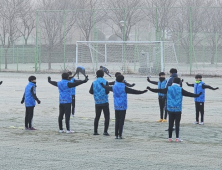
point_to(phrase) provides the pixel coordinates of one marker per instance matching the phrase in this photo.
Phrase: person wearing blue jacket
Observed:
(161, 97)
(29, 98)
(80, 69)
(120, 91)
(73, 92)
(101, 102)
(200, 86)
(65, 99)
(126, 83)
(174, 94)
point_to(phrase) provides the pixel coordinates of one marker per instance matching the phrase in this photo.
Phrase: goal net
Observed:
(143, 57)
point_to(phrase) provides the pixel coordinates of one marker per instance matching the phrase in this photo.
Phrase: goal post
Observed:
(143, 57)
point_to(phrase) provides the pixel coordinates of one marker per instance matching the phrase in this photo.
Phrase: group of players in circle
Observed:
(170, 94)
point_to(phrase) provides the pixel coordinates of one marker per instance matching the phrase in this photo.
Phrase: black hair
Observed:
(65, 76)
(176, 80)
(31, 78)
(101, 67)
(173, 70)
(99, 73)
(120, 78)
(117, 73)
(162, 74)
(198, 76)
(69, 72)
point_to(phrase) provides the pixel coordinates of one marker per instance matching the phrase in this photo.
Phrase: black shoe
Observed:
(95, 133)
(116, 137)
(105, 134)
(120, 137)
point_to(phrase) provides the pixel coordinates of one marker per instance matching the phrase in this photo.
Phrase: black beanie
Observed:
(117, 73)
(31, 78)
(70, 73)
(176, 80)
(99, 73)
(65, 76)
(161, 74)
(173, 70)
(120, 78)
(198, 76)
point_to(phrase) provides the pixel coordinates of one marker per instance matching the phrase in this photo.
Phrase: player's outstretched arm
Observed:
(91, 89)
(133, 91)
(1, 82)
(107, 88)
(128, 84)
(70, 85)
(111, 83)
(188, 94)
(191, 85)
(204, 86)
(23, 99)
(164, 91)
(54, 83)
(152, 82)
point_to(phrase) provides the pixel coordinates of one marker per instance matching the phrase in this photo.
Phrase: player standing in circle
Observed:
(65, 99)
(120, 92)
(101, 102)
(105, 70)
(29, 98)
(80, 69)
(126, 83)
(174, 94)
(200, 86)
(161, 97)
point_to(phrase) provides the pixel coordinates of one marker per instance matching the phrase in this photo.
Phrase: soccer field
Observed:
(145, 146)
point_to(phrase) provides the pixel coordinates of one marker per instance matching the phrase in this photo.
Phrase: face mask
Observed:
(34, 82)
(162, 79)
(197, 81)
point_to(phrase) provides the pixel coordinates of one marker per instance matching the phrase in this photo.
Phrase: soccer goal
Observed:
(144, 57)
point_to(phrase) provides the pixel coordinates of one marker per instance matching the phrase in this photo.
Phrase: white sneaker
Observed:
(178, 140)
(69, 131)
(196, 123)
(61, 131)
(201, 123)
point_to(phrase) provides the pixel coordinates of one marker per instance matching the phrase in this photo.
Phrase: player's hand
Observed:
(200, 93)
(22, 101)
(133, 84)
(148, 79)
(187, 83)
(49, 78)
(86, 78)
(182, 80)
(216, 88)
(148, 88)
(38, 101)
(1, 82)
(145, 91)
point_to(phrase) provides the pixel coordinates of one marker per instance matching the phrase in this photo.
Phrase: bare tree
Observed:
(55, 23)
(27, 20)
(88, 17)
(9, 17)
(188, 23)
(160, 13)
(128, 11)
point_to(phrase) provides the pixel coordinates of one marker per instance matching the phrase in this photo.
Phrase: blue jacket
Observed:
(29, 100)
(64, 92)
(100, 96)
(197, 89)
(170, 79)
(120, 96)
(73, 90)
(174, 98)
(161, 85)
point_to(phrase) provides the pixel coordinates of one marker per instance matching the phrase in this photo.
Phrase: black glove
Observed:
(1, 82)
(38, 101)
(187, 83)
(49, 78)
(216, 88)
(22, 101)
(182, 80)
(148, 88)
(86, 78)
(200, 93)
(133, 84)
(145, 91)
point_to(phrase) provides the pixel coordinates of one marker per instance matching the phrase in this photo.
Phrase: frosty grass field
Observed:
(145, 145)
